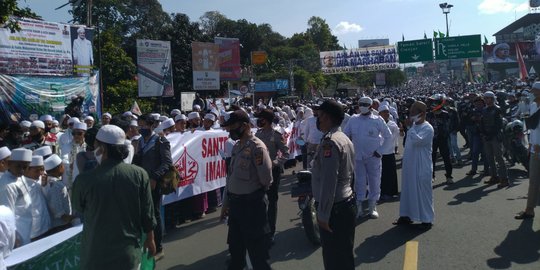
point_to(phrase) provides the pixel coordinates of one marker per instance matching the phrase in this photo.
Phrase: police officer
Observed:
(245, 201)
(275, 142)
(331, 184)
(440, 120)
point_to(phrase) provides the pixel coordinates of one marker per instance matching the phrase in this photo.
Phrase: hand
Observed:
(324, 225)
(150, 245)
(153, 184)
(377, 155)
(224, 213)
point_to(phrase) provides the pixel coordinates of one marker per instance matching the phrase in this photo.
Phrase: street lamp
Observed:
(445, 10)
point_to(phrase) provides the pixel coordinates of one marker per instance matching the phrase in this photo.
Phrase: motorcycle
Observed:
(517, 143)
(306, 204)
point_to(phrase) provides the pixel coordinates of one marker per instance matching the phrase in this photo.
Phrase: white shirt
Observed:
(7, 233)
(41, 221)
(58, 201)
(389, 146)
(131, 153)
(534, 137)
(15, 196)
(367, 132)
(311, 133)
(82, 52)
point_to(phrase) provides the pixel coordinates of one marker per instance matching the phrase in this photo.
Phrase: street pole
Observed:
(447, 30)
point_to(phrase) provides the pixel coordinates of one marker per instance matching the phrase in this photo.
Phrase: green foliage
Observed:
(120, 97)
(9, 8)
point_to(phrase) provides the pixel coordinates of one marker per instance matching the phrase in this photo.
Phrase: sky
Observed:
(350, 20)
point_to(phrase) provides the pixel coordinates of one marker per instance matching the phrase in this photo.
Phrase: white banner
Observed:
(154, 70)
(358, 60)
(205, 58)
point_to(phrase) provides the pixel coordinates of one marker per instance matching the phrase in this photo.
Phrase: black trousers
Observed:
(158, 234)
(273, 196)
(248, 230)
(337, 246)
(389, 184)
(442, 145)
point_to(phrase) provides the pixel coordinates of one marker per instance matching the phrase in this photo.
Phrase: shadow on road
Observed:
(473, 195)
(215, 261)
(521, 246)
(191, 228)
(371, 250)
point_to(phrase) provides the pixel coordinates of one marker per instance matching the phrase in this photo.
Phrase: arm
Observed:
(264, 165)
(8, 196)
(385, 133)
(166, 160)
(148, 221)
(330, 157)
(422, 137)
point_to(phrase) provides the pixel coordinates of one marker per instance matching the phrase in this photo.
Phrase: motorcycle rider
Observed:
(440, 120)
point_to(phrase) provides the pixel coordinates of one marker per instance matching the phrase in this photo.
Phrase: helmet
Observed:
(436, 102)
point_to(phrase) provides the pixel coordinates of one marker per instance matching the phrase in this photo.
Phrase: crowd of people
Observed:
(57, 173)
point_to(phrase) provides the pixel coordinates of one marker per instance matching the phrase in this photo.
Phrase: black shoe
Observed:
(425, 226)
(403, 221)
(523, 215)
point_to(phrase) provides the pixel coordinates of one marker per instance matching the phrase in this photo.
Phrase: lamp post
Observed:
(446, 9)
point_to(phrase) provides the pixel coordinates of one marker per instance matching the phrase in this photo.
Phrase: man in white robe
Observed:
(416, 203)
(82, 49)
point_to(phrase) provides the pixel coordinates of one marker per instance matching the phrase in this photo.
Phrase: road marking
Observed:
(411, 256)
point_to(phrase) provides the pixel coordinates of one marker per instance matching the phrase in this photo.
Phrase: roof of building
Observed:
(524, 21)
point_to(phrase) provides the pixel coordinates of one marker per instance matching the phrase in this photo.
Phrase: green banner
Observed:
(458, 47)
(62, 256)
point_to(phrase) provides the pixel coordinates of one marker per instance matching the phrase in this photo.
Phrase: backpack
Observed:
(170, 181)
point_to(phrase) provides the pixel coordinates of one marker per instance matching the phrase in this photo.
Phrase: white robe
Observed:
(15, 196)
(416, 188)
(41, 221)
(7, 233)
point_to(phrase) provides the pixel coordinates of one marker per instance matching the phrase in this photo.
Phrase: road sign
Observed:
(244, 89)
(458, 47)
(415, 51)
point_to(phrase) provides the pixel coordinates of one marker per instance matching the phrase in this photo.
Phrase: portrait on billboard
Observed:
(83, 56)
(501, 54)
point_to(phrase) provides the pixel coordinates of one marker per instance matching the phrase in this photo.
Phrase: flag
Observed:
(135, 109)
(270, 103)
(522, 68)
(425, 36)
(434, 34)
(485, 40)
(441, 35)
(402, 37)
(468, 69)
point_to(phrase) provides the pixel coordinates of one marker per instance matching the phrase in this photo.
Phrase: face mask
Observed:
(145, 132)
(55, 130)
(99, 157)
(235, 134)
(415, 118)
(364, 110)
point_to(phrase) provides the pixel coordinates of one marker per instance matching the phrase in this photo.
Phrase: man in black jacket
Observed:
(153, 153)
(440, 120)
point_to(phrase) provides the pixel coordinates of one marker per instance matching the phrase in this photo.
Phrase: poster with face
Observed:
(82, 51)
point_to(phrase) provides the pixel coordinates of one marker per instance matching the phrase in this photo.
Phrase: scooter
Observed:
(306, 204)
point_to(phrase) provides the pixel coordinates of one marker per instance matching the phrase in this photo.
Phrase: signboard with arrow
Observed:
(415, 51)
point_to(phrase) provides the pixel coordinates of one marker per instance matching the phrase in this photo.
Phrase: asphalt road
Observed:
(474, 229)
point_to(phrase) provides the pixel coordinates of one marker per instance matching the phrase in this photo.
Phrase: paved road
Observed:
(474, 229)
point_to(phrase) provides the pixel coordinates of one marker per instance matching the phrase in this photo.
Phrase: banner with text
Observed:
(229, 55)
(21, 96)
(206, 60)
(46, 48)
(358, 60)
(154, 70)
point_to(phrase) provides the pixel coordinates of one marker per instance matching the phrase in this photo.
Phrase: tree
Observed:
(210, 23)
(116, 65)
(120, 97)
(321, 35)
(9, 8)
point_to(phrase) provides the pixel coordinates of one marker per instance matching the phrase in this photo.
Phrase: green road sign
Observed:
(415, 51)
(458, 47)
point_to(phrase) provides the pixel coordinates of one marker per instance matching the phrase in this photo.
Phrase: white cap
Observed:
(37, 161)
(210, 116)
(127, 114)
(163, 118)
(175, 111)
(193, 115)
(489, 94)
(38, 124)
(89, 118)
(180, 117)
(52, 162)
(4, 153)
(25, 124)
(73, 120)
(108, 115)
(155, 116)
(43, 151)
(56, 123)
(111, 134)
(167, 123)
(80, 125)
(196, 107)
(46, 118)
(134, 123)
(367, 100)
(383, 108)
(21, 154)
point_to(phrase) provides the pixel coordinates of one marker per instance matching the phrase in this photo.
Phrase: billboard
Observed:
(46, 48)
(506, 52)
(154, 70)
(365, 43)
(358, 60)
(229, 55)
(206, 60)
(21, 96)
(258, 57)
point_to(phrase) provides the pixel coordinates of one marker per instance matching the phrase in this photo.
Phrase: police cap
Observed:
(235, 117)
(266, 114)
(332, 108)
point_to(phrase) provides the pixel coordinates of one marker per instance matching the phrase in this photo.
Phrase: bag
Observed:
(170, 181)
(146, 263)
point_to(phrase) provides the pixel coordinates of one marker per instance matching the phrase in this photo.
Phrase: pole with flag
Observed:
(441, 35)
(425, 36)
(523, 75)
(434, 34)
(485, 40)
(402, 37)
(135, 108)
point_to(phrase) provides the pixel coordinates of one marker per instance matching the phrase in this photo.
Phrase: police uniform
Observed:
(333, 167)
(274, 142)
(250, 177)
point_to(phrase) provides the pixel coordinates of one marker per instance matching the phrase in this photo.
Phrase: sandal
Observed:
(402, 221)
(523, 215)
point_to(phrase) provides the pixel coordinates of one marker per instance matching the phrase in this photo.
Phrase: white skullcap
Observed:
(108, 115)
(4, 153)
(73, 120)
(367, 100)
(175, 111)
(21, 154)
(37, 161)
(180, 117)
(46, 117)
(89, 118)
(80, 125)
(210, 116)
(38, 124)
(26, 124)
(111, 134)
(489, 94)
(167, 123)
(163, 118)
(127, 114)
(43, 151)
(55, 122)
(196, 107)
(80, 30)
(383, 108)
(133, 123)
(52, 162)
(193, 115)
(155, 116)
